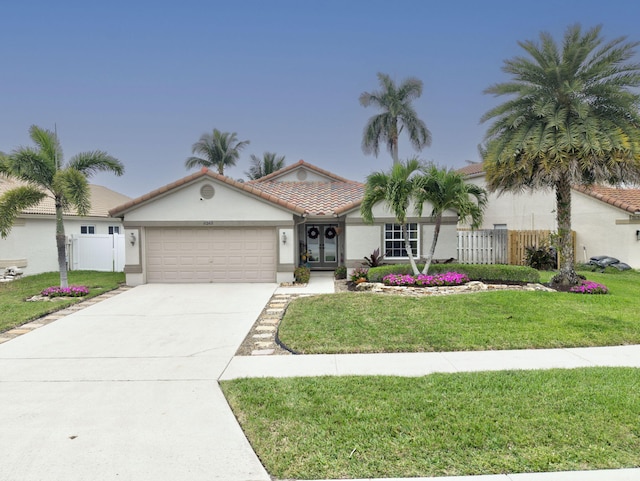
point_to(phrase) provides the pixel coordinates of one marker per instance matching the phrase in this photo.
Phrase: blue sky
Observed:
(143, 80)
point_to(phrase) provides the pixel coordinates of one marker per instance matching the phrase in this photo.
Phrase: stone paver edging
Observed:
(54, 316)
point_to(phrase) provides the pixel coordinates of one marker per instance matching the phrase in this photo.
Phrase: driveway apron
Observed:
(127, 389)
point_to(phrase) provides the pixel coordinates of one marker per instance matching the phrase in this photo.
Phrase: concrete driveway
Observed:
(127, 389)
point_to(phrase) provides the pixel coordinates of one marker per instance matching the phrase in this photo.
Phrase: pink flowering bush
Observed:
(71, 291)
(424, 280)
(589, 287)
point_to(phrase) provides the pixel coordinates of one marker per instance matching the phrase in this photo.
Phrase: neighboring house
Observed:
(209, 228)
(31, 244)
(606, 220)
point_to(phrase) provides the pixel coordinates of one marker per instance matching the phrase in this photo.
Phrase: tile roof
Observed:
(623, 198)
(627, 199)
(315, 197)
(471, 169)
(245, 186)
(102, 199)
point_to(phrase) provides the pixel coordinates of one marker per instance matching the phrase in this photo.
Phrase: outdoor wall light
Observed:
(132, 239)
(284, 238)
(638, 235)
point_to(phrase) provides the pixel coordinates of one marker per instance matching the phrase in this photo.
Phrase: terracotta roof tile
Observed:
(471, 169)
(623, 198)
(102, 199)
(316, 198)
(300, 163)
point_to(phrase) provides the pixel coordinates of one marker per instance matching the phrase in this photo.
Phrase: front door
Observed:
(322, 246)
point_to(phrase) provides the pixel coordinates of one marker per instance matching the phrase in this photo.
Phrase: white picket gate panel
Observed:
(97, 252)
(487, 246)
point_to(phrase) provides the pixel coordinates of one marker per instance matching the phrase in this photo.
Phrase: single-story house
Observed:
(209, 228)
(606, 220)
(31, 244)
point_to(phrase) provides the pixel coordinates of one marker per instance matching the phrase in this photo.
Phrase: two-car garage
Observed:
(210, 254)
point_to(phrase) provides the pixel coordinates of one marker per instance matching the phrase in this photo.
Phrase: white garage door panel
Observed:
(194, 254)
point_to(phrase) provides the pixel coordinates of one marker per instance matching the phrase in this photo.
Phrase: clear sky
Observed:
(144, 80)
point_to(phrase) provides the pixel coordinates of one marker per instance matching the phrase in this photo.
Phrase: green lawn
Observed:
(364, 322)
(442, 424)
(14, 310)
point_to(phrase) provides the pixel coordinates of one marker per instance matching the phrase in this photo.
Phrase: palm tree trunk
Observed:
(432, 250)
(567, 276)
(394, 144)
(61, 242)
(407, 248)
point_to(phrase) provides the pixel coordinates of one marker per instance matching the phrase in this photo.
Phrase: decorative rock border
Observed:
(469, 287)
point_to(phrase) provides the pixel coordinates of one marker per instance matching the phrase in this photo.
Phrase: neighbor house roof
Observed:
(204, 172)
(102, 199)
(623, 198)
(627, 199)
(320, 197)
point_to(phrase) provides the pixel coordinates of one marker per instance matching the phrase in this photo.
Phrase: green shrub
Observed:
(542, 258)
(497, 273)
(341, 272)
(302, 274)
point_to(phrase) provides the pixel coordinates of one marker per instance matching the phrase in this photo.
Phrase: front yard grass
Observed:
(14, 311)
(441, 424)
(363, 322)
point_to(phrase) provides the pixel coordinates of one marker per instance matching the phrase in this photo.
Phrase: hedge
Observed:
(496, 273)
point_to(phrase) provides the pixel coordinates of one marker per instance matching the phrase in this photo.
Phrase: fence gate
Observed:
(484, 246)
(519, 240)
(97, 252)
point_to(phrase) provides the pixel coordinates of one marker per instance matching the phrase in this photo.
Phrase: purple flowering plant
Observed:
(71, 291)
(423, 280)
(589, 287)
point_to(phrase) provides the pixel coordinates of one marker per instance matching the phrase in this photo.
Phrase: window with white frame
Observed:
(87, 229)
(394, 242)
(114, 229)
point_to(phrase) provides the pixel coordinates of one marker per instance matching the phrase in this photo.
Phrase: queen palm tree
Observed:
(446, 189)
(44, 174)
(397, 189)
(260, 167)
(572, 118)
(398, 114)
(220, 150)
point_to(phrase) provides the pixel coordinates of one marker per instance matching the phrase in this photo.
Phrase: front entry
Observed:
(322, 246)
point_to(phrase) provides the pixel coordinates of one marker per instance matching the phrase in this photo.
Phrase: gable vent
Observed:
(301, 174)
(207, 191)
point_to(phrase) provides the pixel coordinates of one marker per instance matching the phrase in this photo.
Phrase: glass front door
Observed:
(322, 245)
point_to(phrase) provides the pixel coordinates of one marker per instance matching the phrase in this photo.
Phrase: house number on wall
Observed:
(207, 222)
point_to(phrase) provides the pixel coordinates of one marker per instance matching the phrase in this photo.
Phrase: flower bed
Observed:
(424, 280)
(589, 287)
(71, 291)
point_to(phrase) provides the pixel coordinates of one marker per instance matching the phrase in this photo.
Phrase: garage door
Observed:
(196, 254)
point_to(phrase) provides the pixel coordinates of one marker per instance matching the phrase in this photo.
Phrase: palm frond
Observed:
(13, 202)
(90, 163)
(72, 188)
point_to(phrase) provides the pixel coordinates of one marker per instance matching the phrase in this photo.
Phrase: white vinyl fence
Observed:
(97, 252)
(486, 246)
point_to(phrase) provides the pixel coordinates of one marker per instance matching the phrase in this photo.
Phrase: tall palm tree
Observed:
(397, 114)
(572, 119)
(45, 174)
(446, 189)
(268, 164)
(397, 189)
(220, 150)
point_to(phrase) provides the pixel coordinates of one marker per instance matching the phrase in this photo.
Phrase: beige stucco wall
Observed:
(227, 205)
(601, 229)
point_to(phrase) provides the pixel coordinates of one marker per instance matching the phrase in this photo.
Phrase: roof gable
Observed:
(245, 188)
(301, 171)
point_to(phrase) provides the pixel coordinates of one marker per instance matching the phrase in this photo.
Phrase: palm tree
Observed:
(220, 150)
(397, 189)
(572, 119)
(269, 163)
(44, 173)
(445, 189)
(398, 113)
